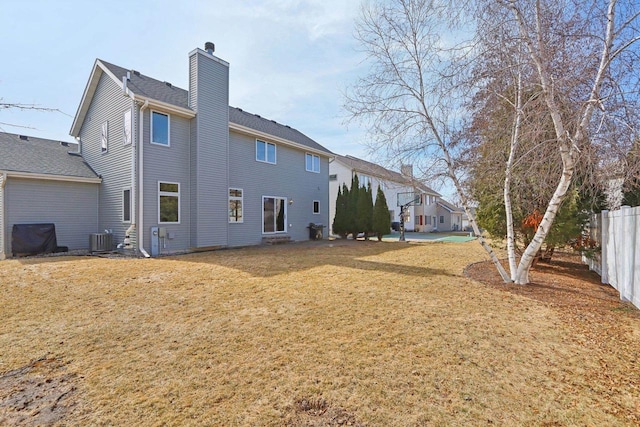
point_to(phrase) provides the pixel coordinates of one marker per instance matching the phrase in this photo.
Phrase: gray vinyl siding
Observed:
(287, 178)
(209, 97)
(71, 206)
(167, 164)
(108, 104)
(3, 248)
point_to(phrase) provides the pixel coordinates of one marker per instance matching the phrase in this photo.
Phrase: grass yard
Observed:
(312, 334)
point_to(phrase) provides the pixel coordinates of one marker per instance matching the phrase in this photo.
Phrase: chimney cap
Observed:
(209, 47)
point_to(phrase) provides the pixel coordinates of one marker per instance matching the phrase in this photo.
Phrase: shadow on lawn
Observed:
(268, 261)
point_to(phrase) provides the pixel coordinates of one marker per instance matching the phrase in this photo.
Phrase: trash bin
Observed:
(315, 231)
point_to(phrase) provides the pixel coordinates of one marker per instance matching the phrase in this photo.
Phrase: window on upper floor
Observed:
(160, 128)
(235, 205)
(104, 137)
(168, 202)
(364, 181)
(127, 127)
(265, 152)
(312, 163)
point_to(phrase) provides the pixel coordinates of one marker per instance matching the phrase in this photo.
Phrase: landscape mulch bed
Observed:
(595, 313)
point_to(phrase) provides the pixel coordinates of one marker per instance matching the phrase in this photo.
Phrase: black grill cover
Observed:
(32, 239)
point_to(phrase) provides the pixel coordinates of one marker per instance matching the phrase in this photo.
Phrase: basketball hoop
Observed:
(404, 200)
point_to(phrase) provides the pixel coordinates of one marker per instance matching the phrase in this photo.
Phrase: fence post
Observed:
(626, 254)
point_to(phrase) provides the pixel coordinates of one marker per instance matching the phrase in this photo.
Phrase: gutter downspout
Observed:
(133, 193)
(2, 224)
(141, 182)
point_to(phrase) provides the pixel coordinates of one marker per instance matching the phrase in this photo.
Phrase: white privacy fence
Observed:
(618, 263)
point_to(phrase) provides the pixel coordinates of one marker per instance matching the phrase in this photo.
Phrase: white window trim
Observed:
(313, 205)
(130, 201)
(127, 117)
(168, 144)
(313, 157)
(171, 194)
(241, 198)
(266, 156)
(104, 137)
(286, 202)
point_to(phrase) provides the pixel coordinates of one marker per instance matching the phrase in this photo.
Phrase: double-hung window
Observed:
(274, 214)
(312, 163)
(265, 152)
(168, 202)
(160, 128)
(235, 205)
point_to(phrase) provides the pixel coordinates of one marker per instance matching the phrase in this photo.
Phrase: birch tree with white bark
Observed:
(577, 57)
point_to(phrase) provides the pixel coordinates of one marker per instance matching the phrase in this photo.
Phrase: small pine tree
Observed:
(365, 211)
(340, 219)
(381, 218)
(352, 217)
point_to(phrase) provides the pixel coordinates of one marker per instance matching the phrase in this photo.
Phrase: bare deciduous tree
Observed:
(574, 57)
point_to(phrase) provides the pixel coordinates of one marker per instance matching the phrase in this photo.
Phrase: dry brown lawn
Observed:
(315, 334)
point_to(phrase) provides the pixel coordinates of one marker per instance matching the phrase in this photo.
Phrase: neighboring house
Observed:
(44, 181)
(449, 216)
(182, 170)
(417, 218)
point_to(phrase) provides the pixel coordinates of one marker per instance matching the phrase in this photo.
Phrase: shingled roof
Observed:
(28, 154)
(166, 92)
(372, 169)
(151, 88)
(450, 207)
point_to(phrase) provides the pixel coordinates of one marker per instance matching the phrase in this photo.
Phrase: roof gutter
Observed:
(269, 137)
(43, 176)
(184, 112)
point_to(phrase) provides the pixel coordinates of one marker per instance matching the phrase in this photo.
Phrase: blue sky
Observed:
(290, 60)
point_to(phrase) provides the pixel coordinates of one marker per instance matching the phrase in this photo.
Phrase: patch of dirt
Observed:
(316, 412)
(39, 394)
(594, 313)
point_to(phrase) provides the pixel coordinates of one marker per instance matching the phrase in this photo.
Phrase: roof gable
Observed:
(147, 87)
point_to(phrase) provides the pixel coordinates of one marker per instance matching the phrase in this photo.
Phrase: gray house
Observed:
(182, 170)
